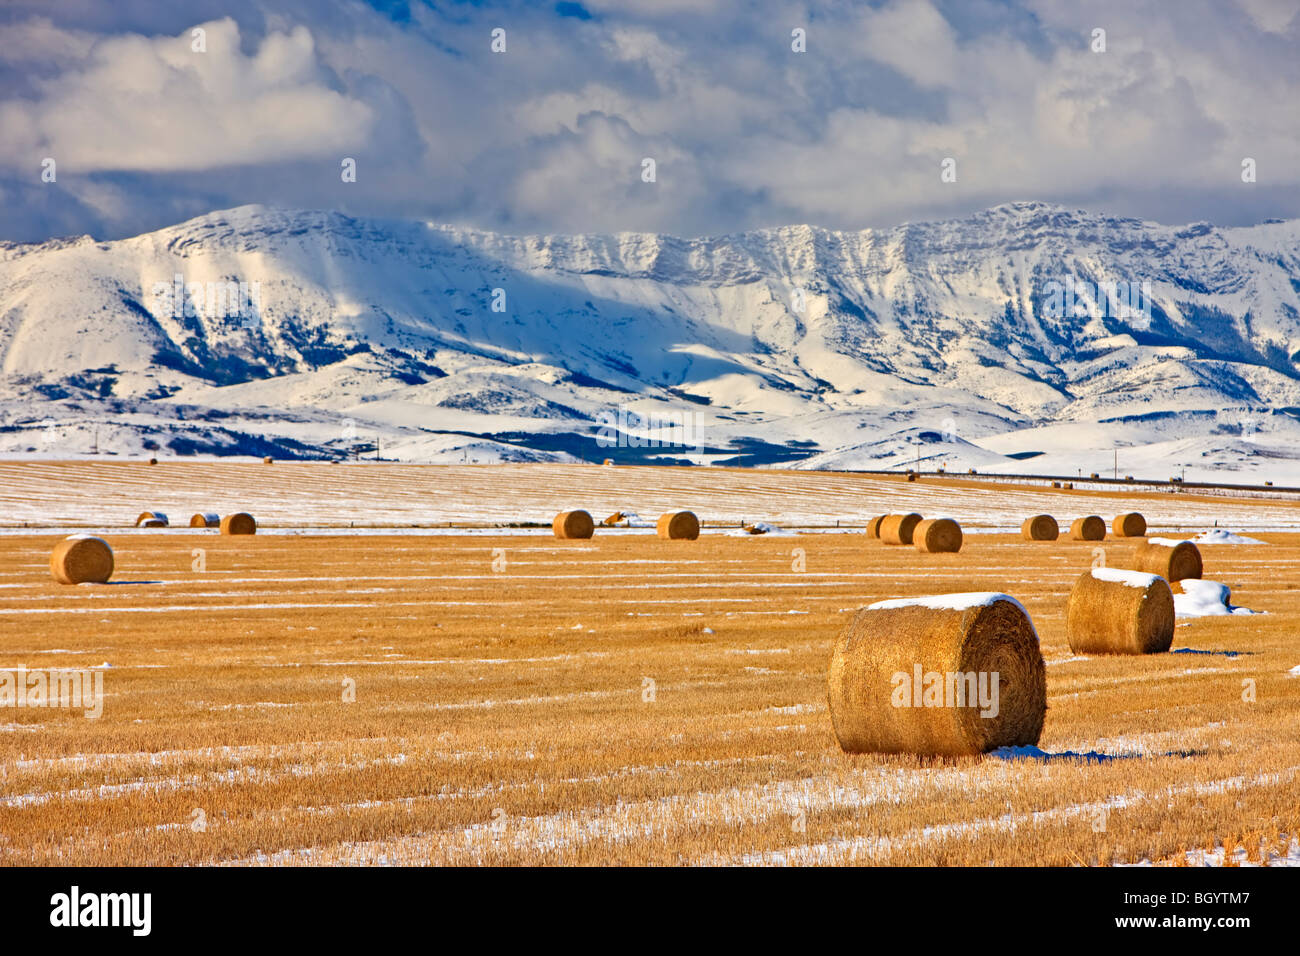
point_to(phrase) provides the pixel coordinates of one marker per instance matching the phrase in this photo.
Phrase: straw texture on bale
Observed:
(1173, 563)
(573, 525)
(873, 526)
(1091, 528)
(1117, 617)
(241, 522)
(82, 559)
(937, 536)
(870, 710)
(1129, 525)
(1040, 528)
(678, 525)
(151, 516)
(205, 519)
(898, 529)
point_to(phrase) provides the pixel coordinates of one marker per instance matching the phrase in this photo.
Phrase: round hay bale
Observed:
(1069, 486)
(158, 517)
(1172, 560)
(1056, 484)
(911, 476)
(82, 559)
(153, 523)
(901, 676)
(873, 526)
(1129, 525)
(937, 536)
(1111, 611)
(268, 460)
(573, 525)
(241, 522)
(678, 525)
(1040, 528)
(205, 519)
(1091, 528)
(898, 529)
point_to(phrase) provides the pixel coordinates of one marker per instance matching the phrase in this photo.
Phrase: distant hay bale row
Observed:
(1173, 561)
(1040, 528)
(573, 525)
(1091, 528)
(937, 536)
(918, 676)
(82, 559)
(1112, 611)
(578, 525)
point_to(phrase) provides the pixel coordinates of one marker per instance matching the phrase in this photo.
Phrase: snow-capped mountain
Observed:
(982, 342)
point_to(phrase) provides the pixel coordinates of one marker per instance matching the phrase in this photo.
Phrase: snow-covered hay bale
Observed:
(241, 522)
(898, 529)
(205, 519)
(937, 536)
(1091, 528)
(1111, 611)
(155, 516)
(571, 525)
(1040, 528)
(1172, 560)
(1131, 524)
(82, 559)
(614, 520)
(678, 526)
(873, 526)
(951, 674)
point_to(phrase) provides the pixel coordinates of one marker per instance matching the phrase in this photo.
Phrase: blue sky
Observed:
(550, 135)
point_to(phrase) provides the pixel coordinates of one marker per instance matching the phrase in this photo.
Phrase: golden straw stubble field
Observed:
(517, 699)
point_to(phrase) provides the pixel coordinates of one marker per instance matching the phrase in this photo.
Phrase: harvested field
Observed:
(521, 700)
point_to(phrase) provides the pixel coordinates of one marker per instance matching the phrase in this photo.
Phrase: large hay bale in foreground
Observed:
(156, 516)
(82, 559)
(573, 525)
(1040, 528)
(1172, 560)
(873, 526)
(898, 529)
(1129, 525)
(937, 536)
(916, 675)
(241, 522)
(1111, 611)
(678, 525)
(1091, 528)
(205, 519)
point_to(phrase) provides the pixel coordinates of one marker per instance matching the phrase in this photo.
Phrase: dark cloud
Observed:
(550, 135)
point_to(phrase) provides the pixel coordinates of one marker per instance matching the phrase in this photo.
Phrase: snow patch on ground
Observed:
(1220, 536)
(1201, 598)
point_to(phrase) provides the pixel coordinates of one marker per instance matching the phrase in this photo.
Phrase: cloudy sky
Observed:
(550, 135)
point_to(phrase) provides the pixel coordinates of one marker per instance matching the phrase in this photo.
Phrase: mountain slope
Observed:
(796, 344)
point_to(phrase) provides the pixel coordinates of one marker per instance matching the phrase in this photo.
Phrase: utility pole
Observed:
(1116, 474)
